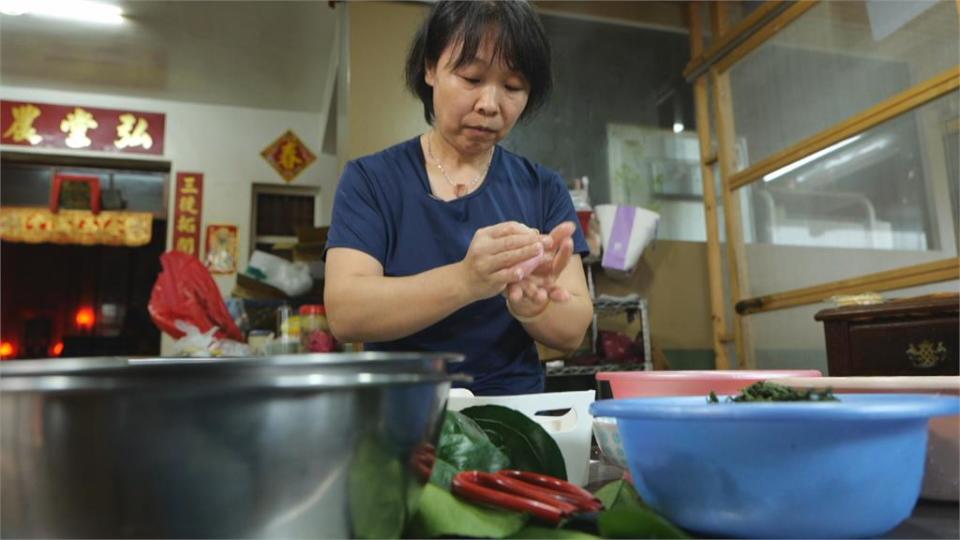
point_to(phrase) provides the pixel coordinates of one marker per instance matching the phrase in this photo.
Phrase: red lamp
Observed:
(85, 318)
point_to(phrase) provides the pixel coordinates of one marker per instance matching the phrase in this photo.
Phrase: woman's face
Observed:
(476, 105)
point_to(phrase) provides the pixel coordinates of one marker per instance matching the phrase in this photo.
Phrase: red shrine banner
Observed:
(47, 125)
(187, 213)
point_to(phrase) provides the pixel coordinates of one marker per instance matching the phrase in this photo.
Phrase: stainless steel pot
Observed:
(306, 446)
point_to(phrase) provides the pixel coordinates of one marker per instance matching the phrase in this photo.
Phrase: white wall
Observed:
(379, 111)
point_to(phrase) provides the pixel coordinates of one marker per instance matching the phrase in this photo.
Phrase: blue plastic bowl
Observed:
(842, 469)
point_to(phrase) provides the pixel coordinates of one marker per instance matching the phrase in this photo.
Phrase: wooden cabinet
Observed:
(916, 336)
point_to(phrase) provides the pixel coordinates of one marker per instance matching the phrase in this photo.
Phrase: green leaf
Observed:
(442, 514)
(627, 516)
(619, 494)
(635, 523)
(377, 492)
(443, 474)
(528, 445)
(464, 446)
(771, 391)
(533, 532)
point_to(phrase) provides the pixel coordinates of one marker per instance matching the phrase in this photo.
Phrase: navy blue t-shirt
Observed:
(385, 208)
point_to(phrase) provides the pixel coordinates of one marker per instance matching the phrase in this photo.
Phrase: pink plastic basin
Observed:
(628, 384)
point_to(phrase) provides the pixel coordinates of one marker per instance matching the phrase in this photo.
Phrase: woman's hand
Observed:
(531, 295)
(495, 255)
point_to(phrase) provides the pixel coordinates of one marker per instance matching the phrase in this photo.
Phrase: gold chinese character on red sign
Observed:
(22, 127)
(187, 224)
(189, 185)
(75, 125)
(132, 132)
(188, 204)
(187, 245)
(288, 155)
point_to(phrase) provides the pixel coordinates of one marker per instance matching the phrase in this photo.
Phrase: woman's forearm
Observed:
(379, 308)
(563, 324)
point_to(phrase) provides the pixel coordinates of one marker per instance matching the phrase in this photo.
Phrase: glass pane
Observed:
(837, 60)
(889, 188)
(792, 339)
(660, 170)
(878, 203)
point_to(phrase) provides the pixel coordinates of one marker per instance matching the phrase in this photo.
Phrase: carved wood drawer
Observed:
(919, 336)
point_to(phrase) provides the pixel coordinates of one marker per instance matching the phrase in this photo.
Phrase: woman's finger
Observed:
(529, 288)
(559, 294)
(511, 242)
(542, 296)
(514, 292)
(561, 231)
(562, 257)
(514, 258)
(547, 241)
(507, 228)
(505, 276)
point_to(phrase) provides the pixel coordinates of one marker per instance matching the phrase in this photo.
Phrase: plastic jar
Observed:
(288, 330)
(315, 333)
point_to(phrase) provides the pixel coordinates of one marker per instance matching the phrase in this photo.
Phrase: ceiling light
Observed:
(76, 10)
(812, 157)
(677, 127)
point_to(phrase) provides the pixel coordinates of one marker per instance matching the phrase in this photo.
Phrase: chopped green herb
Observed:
(768, 391)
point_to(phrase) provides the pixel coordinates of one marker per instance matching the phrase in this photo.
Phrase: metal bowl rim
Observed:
(123, 366)
(279, 382)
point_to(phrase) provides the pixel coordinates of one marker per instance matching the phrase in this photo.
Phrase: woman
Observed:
(432, 240)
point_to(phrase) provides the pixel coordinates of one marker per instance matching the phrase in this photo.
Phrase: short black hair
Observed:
(520, 40)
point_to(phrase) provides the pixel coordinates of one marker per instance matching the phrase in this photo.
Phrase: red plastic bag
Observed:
(185, 291)
(619, 348)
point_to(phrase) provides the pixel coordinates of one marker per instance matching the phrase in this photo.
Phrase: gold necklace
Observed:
(459, 190)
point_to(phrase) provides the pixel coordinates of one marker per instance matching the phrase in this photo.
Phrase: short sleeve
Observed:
(358, 221)
(558, 207)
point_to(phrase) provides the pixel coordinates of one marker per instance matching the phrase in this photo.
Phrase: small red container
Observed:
(315, 333)
(584, 217)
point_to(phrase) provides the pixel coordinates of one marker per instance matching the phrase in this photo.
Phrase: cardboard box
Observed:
(249, 288)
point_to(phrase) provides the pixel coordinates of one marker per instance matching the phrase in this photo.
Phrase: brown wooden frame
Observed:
(726, 156)
(723, 39)
(768, 30)
(899, 278)
(707, 158)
